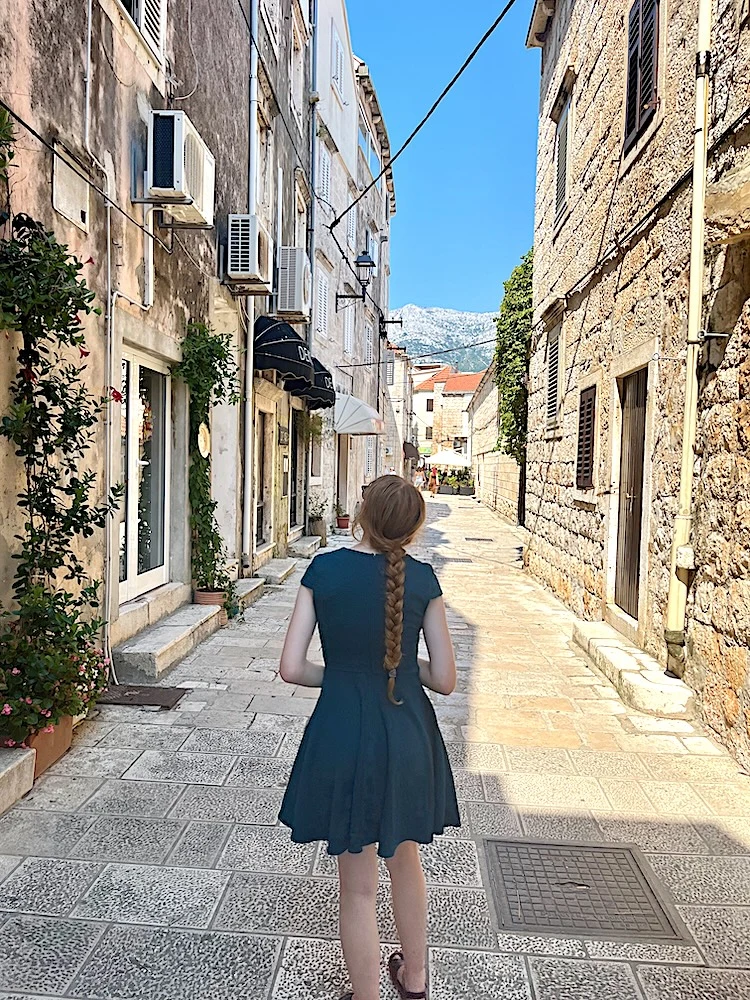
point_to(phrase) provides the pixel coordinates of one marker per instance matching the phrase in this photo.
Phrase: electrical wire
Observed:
(436, 104)
(192, 50)
(431, 354)
(79, 173)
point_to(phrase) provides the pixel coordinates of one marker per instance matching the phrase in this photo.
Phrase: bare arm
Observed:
(295, 667)
(438, 673)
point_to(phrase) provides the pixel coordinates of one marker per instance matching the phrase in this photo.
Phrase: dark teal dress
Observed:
(368, 771)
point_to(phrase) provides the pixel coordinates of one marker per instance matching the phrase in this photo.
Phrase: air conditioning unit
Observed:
(295, 283)
(180, 167)
(249, 254)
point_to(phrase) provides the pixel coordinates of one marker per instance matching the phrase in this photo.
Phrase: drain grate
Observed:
(479, 539)
(574, 890)
(452, 559)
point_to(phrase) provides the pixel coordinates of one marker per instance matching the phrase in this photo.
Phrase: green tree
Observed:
(511, 358)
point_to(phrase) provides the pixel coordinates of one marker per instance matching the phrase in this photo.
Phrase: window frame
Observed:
(349, 324)
(325, 164)
(430, 405)
(338, 63)
(322, 315)
(369, 343)
(554, 337)
(563, 129)
(138, 20)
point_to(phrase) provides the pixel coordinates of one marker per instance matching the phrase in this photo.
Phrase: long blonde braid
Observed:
(392, 512)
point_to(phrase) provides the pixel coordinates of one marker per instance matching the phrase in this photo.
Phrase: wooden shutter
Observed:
(561, 195)
(324, 186)
(649, 60)
(586, 427)
(369, 347)
(390, 368)
(323, 304)
(643, 66)
(553, 376)
(349, 330)
(151, 20)
(351, 227)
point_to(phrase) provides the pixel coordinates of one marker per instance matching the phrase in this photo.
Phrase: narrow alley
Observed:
(148, 862)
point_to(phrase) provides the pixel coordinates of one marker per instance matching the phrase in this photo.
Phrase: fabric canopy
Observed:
(278, 348)
(319, 394)
(354, 416)
(410, 451)
(448, 458)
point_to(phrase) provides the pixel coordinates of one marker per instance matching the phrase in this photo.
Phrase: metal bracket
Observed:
(161, 201)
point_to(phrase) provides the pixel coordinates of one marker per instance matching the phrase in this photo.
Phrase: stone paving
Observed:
(149, 864)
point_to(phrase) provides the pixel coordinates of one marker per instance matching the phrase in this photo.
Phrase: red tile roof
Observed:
(463, 382)
(440, 376)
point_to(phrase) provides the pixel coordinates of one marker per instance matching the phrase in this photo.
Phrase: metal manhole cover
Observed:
(141, 694)
(479, 539)
(579, 890)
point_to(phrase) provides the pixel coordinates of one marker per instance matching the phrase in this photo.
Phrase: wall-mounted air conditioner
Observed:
(249, 255)
(295, 283)
(180, 169)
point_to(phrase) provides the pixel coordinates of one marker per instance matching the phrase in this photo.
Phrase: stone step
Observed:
(306, 547)
(149, 654)
(638, 678)
(16, 775)
(277, 570)
(248, 591)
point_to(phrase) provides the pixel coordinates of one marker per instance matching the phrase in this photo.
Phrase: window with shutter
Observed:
(561, 161)
(375, 252)
(369, 457)
(322, 310)
(337, 63)
(586, 427)
(349, 328)
(150, 16)
(553, 377)
(390, 368)
(369, 344)
(642, 69)
(324, 185)
(430, 405)
(351, 227)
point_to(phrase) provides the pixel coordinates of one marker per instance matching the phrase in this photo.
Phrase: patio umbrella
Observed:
(450, 459)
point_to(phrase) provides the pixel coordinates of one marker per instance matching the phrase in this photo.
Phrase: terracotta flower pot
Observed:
(212, 597)
(342, 522)
(51, 746)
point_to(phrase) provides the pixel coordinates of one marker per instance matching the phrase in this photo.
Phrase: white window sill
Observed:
(261, 550)
(152, 62)
(585, 498)
(553, 433)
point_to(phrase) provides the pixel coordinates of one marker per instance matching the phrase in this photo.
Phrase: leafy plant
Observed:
(316, 508)
(340, 511)
(511, 358)
(310, 426)
(51, 665)
(210, 371)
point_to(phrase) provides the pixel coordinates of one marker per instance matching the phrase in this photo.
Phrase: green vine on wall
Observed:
(51, 663)
(511, 358)
(210, 372)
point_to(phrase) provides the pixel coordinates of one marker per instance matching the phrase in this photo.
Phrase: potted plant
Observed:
(210, 371)
(316, 512)
(51, 663)
(342, 518)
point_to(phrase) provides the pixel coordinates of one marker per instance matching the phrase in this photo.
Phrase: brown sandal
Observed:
(395, 964)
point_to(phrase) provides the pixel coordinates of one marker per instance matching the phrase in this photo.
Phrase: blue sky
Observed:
(465, 187)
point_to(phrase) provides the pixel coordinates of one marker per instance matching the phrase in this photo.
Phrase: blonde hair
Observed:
(391, 514)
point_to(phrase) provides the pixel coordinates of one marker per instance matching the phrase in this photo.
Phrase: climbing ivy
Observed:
(210, 372)
(511, 358)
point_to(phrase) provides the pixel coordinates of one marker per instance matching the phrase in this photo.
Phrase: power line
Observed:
(446, 90)
(431, 354)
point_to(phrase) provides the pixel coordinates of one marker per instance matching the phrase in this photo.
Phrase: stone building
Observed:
(350, 147)
(496, 475)
(612, 277)
(401, 455)
(425, 378)
(450, 428)
(201, 234)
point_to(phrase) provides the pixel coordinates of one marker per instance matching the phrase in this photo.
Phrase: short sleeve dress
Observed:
(368, 771)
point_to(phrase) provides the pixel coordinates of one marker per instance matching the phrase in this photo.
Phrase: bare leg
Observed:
(410, 911)
(358, 925)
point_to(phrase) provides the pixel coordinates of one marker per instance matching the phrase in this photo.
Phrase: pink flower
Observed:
(29, 701)
(15, 671)
(10, 743)
(115, 394)
(47, 713)
(106, 661)
(6, 709)
(48, 729)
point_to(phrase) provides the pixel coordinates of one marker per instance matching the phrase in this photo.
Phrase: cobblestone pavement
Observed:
(148, 863)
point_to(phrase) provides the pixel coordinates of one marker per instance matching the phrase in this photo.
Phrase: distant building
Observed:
(451, 411)
(425, 378)
(496, 475)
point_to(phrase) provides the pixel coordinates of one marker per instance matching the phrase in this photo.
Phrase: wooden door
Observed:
(627, 572)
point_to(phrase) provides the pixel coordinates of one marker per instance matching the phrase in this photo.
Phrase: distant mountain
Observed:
(438, 330)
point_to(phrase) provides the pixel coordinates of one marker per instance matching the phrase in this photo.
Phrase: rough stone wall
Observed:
(496, 478)
(449, 419)
(483, 415)
(625, 298)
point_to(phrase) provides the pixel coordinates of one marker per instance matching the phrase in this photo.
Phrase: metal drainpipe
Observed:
(252, 173)
(682, 556)
(313, 215)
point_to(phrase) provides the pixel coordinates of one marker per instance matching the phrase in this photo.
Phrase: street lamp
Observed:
(365, 265)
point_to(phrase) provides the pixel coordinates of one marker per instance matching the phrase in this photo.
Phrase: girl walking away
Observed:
(372, 775)
(434, 481)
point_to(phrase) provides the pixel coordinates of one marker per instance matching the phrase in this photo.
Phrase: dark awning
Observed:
(410, 452)
(278, 348)
(320, 395)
